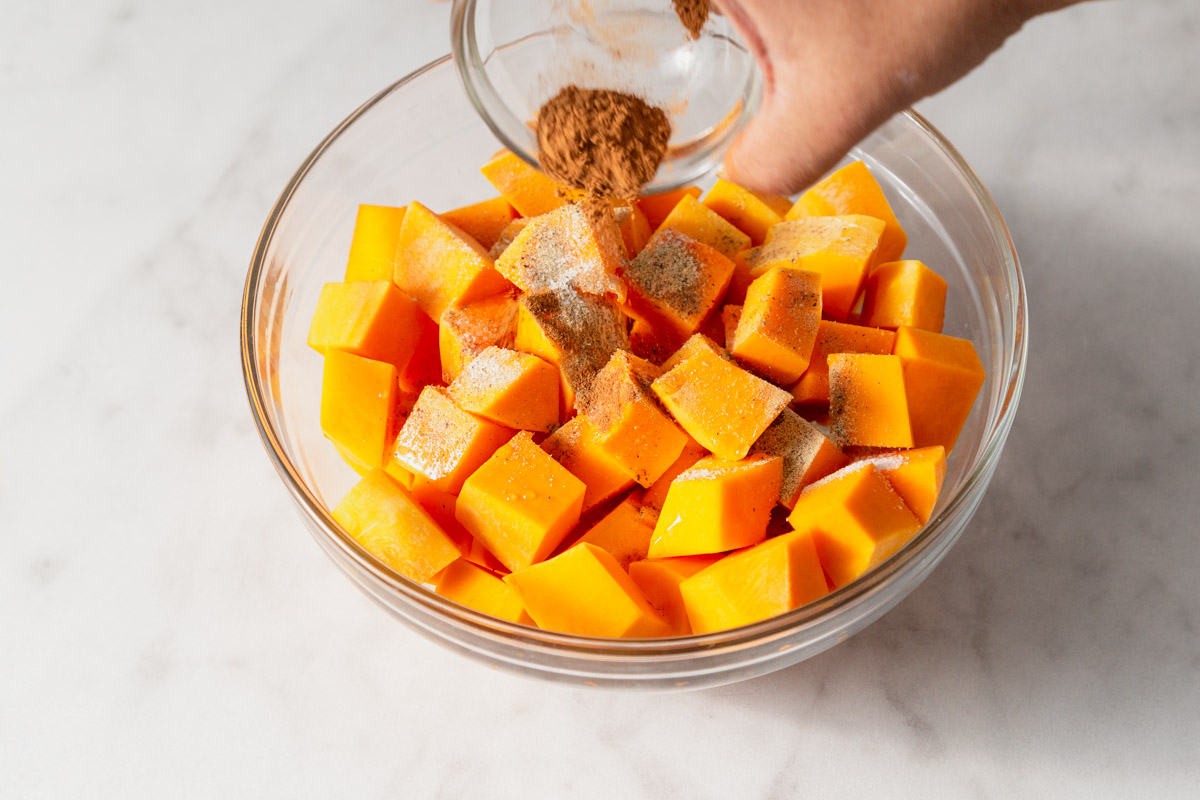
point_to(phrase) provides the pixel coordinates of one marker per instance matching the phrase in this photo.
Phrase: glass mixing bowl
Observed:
(513, 55)
(422, 139)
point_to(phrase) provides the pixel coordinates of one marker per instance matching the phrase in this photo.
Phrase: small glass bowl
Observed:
(422, 139)
(514, 55)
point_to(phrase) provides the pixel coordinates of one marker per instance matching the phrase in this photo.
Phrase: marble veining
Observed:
(168, 629)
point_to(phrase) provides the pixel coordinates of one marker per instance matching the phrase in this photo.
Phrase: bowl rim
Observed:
(630, 650)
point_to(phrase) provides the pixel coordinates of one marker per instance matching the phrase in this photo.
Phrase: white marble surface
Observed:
(167, 628)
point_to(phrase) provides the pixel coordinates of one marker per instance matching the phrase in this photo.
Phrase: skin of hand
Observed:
(834, 70)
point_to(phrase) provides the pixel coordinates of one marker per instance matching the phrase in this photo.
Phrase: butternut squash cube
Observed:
(484, 221)
(760, 582)
(358, 406)
(719, 404)
(634, 228)
(807, 454)
(717, 506)
(857, 521)
(529, 191)
(624, 532)
(389, 524)
(513, 389)
(837, 337)
(440, 506)
(697, 221)
(520, 503)
(578, 333)
(584, 591)
(747, 211)
(742, 277)
(372, 319)
(778, 325)
(904, 293)
(577, 447)
(507, 235)
(854, 190)
(916, 475)
(678, 281)
(468, 331)
(840, 249)
(567, 246)
(867, 402)
(730, 317)
(942, 377)
(373, 247)
(659, 580)
(444, 443)
(629, 423)
(425, 366)
(656, 207)
(652, 339)
(656, 494)
(474, 587)
(439, 266)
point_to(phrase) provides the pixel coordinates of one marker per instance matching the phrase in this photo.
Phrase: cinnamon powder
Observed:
(602, 142)
(693, 14)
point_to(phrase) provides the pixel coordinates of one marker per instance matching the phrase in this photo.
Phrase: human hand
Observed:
(834, 70)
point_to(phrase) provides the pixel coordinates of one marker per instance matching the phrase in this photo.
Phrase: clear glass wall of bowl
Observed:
(421, 139)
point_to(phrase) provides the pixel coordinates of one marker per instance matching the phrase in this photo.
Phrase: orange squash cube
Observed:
(358, 406)
(372, 319)
(717, 506)
(629, 424)
(528, 191)
(747, 211)
(584, 591)
(807, 454)
(916, 475)
(942, 377)
(578, 333)
(656, 207)
(837, 337)
(656, 494)
(474, 587)
(719, 404)
(854, 190)
(867, 402)
(520, 503)
(904, 293)
(741, 279)
(425, 366)
(506, 236)
(484, 222)
(468, 331)
(840, 249)
(516, 390)
(652, 339)
(439, 266)
(677, 281)
(577, 447)
(373, 247)
(760, 582)
(857, 521)
(391, 526)
(624, 532)
(697, 221)
(440, 506)
(567, 247)
(659, 580)
(634, 228)
(730, 317)
(778, 324)
(444, 443)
